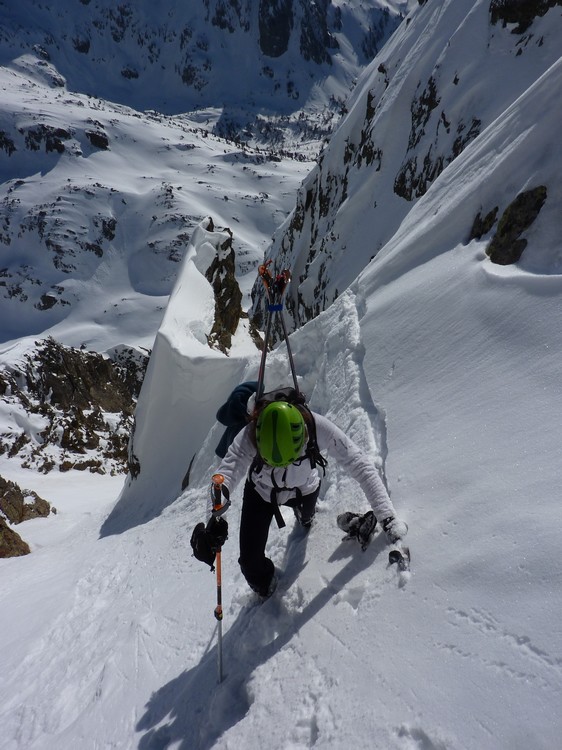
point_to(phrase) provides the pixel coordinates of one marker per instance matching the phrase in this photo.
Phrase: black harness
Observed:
(257, 466)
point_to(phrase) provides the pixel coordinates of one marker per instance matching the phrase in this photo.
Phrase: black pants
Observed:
(257, 515)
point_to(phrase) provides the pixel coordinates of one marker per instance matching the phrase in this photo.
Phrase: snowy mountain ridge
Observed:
(67, 130)
(269, 66)
(96, 194)
(337, 196)
(413, 114)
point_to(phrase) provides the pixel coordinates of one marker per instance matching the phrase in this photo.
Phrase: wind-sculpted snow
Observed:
(126, 650)
(515, 150)
(185, 383)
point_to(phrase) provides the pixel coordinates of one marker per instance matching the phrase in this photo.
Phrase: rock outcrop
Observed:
(16, 506)
(76, 406)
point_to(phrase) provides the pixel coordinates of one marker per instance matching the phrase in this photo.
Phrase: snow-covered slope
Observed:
(446, 369)
(98, 201)
(509, 158)
(458, 403)
(445, 82)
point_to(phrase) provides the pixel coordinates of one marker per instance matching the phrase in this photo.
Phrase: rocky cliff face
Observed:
(71, 409)
(311, 21)
(19, 505)
(221, 274)
(11, 543)
(251, 58)
(16, 506)
(522, 13)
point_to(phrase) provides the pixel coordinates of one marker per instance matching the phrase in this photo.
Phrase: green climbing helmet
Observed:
(280, 433)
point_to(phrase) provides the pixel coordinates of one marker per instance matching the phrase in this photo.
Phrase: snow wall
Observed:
(185, 383)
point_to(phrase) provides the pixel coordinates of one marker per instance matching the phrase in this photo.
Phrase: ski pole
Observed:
(218, 508)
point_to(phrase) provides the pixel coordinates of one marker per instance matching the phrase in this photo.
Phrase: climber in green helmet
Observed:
(280, 451)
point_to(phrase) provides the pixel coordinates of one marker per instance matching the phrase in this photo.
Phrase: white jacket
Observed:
(331, 440)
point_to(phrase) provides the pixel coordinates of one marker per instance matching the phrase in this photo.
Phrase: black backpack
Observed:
(233, 414)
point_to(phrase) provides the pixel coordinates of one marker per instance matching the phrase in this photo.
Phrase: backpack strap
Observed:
(257, 466)
(312, 450)
(273, 497)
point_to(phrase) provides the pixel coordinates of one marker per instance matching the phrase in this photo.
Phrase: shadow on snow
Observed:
(193, 710)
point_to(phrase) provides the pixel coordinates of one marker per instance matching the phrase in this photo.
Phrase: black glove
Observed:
(206, 541)
(360, 527)
(217, 532)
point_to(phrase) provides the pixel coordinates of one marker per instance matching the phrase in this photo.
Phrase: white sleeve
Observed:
(333, 440)
(238, 459)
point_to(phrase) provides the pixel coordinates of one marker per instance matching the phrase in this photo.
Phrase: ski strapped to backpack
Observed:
(234, 413)
(275, 288)
(275, 291)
